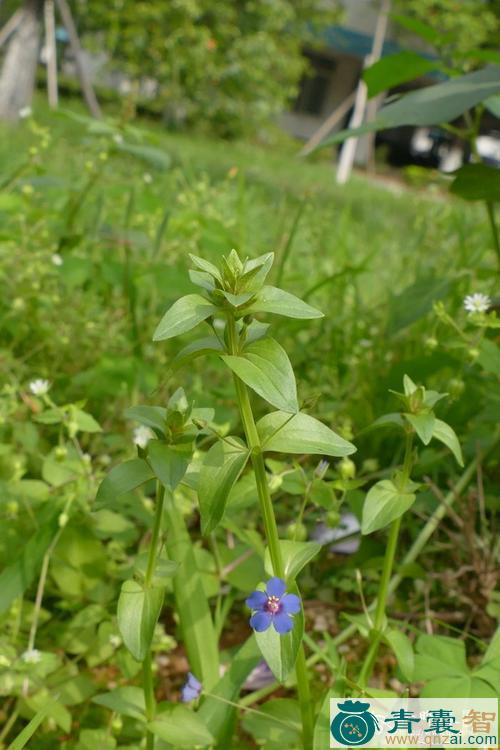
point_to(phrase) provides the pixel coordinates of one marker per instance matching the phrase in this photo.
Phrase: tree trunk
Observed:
(17, 79)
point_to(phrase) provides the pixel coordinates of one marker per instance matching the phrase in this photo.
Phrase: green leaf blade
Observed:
(221, 468)
(264, 366)
(300, 434)
(124, 478)
(137, 614)
(273, 300)
(184, 315)
(383, 504)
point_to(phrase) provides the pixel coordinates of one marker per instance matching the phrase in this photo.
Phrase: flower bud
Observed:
(456, 387)
(60, 453)
(431, 343)
(332, 518)
(473, 353)
(296, 532)
(63, 520)
(347, 468)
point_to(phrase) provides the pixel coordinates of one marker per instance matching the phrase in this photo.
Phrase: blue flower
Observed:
(273, 606)
(191, 689)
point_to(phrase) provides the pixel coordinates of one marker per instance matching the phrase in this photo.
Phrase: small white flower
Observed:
(57, 260)
(25, 112)
(142, 436)
(115, 641)
(118, 138)
(31, 656)
(477, 302)
(39, 387)
(147, 178)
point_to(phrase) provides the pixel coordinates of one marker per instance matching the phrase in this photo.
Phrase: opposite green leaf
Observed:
(403, 650)
(184, 315)
(169, 462)
(221, 468)
(124, 478)
(295, 556)
(431, 105)
(423, 425)
(181, 727)
(477, 182)
(264, 366)
(383, 504)
(446, 435)
(300, 433)
(126, 700)
(149, 416)
(273, 300)
(392, 70)
(137, 614)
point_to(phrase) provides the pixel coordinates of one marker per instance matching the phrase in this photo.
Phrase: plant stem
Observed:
(147, 664)
(383, 591)
(271, 528)
(494, 229)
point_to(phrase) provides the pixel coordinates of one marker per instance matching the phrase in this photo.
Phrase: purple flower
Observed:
(191, 689)
(273, 606)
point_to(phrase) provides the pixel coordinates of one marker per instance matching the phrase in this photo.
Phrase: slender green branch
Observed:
(147, 665)
(490, 208)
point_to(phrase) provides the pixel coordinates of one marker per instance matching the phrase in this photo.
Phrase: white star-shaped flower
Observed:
(39, 387)
(477, 302)
(31, 656)
(142, 436)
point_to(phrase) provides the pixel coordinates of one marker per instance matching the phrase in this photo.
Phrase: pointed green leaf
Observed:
(198, 348)
(206, 267)
(477, 182)
(295, 556)
(126, 700)
(169, 462)
(149, 416)
(403, 651)
(423, 425)
(137, 614)
(195, 620)
(181, 727)
(392, 70)
(273, 300)
(300, 433)
(431, 105)
(280, 651)
(446, 435)
(383, 504)
(124, 478)
(264, 366)
(221, 468)
(29, 730)
(184, 315)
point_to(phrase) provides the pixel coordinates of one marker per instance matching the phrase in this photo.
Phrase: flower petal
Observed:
(193, 682)
(257, 600)
(290, 604)
(276, 587)
(260, 621)
(283, 623)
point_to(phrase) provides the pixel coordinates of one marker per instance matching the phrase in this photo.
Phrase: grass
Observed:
(94, 246)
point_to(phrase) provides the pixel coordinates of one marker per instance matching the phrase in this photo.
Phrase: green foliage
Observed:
(78, 503)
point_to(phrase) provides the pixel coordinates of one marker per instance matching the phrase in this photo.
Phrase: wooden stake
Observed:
(87, 89)
(348, 151)
(50, 45)
(328, 125)
(10, 26)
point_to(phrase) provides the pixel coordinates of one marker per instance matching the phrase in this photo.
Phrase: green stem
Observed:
(494, 229)
(383, 591)
(147, 664)
(271, 528)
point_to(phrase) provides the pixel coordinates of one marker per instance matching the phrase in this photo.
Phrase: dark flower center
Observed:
(273, 605)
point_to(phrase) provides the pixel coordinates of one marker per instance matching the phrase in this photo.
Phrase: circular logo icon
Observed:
(354, 724)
